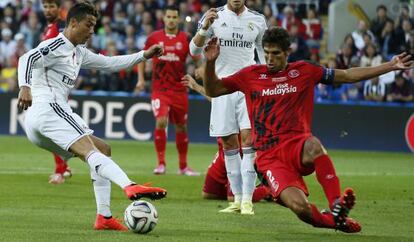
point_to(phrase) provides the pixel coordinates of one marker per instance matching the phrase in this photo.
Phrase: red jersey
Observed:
(168, 69)
(52, 30)
(280, 104)
(217, 168)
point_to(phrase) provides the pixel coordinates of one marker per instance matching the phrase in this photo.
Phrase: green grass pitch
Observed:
(33, 210)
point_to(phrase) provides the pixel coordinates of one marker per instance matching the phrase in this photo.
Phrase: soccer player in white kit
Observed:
(240, 32)
(46, 75)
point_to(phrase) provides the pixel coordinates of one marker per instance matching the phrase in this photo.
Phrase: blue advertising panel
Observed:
(387, 127)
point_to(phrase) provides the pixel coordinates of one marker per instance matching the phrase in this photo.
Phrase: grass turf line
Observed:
(33, 210)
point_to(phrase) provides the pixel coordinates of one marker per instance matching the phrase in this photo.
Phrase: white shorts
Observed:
(228, 115)
(54, 127)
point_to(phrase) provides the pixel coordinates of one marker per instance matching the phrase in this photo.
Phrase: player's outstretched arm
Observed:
(119, 62)
(399, 62)
(189, 82)
(212, 84)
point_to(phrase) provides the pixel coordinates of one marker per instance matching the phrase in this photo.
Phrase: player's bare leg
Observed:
(233, 166)
(248, 172)
(160, 143)
(181, 141)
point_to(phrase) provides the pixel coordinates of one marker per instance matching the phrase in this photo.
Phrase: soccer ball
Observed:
(141, 217)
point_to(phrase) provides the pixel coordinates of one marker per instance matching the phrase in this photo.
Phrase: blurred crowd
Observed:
(371, 44)
(124, 25)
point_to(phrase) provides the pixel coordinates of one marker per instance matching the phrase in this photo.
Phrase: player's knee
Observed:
(313, 148)
(181, 128)
(246, 138)
(106, 150)
(230, 142)
(161, 123)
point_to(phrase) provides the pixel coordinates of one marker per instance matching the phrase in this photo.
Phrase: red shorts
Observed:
(282, 166)
(173, 105)
(211, 186)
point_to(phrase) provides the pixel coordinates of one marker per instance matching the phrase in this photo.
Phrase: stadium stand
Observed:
(124, 26)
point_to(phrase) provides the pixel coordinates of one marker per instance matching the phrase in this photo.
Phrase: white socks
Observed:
(233, 162)
(102, 189)
(107, 168)
(248, 174)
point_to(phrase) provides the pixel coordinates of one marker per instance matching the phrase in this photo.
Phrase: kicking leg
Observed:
(85, 149)
(296, 200)
(314, 154)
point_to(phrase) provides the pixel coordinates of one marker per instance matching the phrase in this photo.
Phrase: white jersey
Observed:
(52, 67)
(238, 35)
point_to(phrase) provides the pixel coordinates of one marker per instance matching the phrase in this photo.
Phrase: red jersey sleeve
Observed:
(237, 81)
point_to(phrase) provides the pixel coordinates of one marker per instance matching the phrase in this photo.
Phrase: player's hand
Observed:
(139, 87)
(402, 62)
(210, 16)
(199, 72)
(212, 50)
(155, 50)
(189, 82)
(24, 100)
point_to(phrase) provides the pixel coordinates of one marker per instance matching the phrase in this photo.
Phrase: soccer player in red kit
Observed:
(279, 98)
(51, 10)
(169, 97)
(216, 185)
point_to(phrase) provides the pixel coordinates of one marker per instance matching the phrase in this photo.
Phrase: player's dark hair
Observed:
(277, 35)
(382, 6)
(172, 7)
(80, 10)
(57, 2)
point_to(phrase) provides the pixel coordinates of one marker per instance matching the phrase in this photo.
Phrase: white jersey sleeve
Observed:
(111, 63)
(40, 57)
(258, 42)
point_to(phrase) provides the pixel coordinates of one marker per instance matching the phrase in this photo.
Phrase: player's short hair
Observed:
(57, 2)
(172, 7)
(80, 10)
(277, 35)
(381, 6)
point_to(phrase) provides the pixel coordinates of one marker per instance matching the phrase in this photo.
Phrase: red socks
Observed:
(60, 164)
(160, 141)
(326, 175)
(321, 220)
(181, 141)
(260, 192)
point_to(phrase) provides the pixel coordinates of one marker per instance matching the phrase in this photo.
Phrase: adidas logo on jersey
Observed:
(223, 25)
